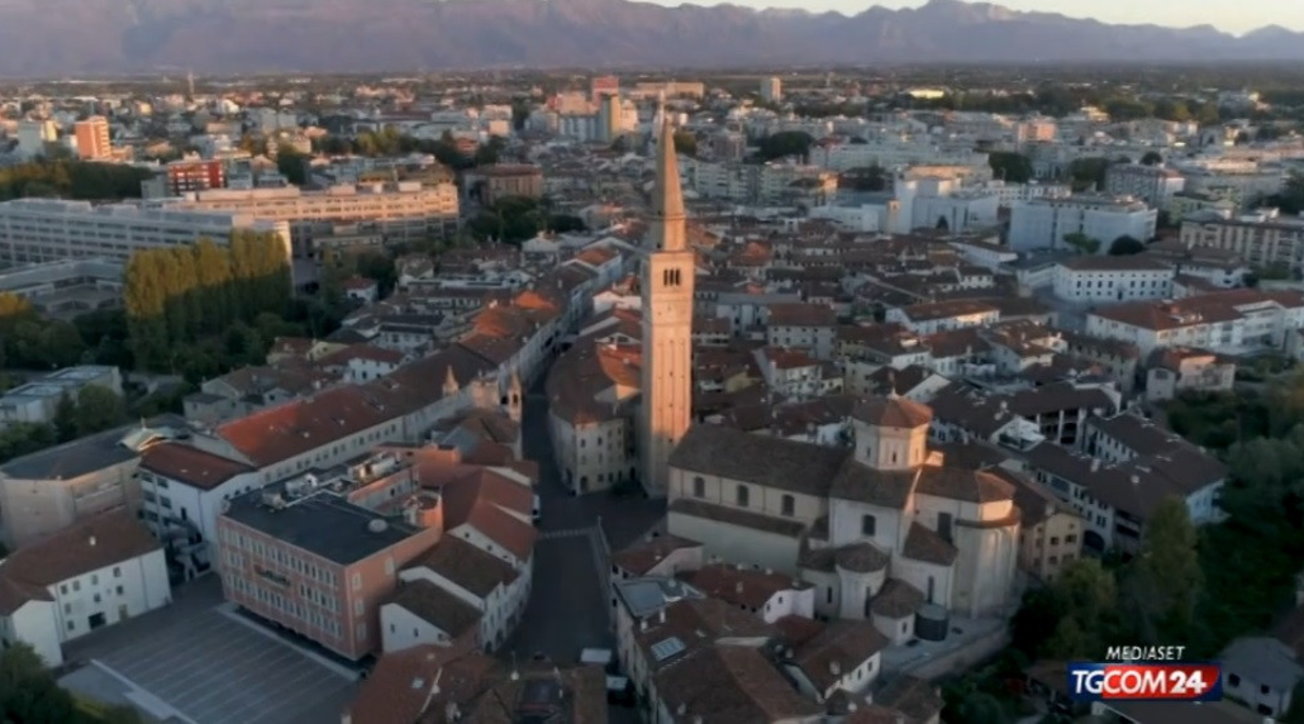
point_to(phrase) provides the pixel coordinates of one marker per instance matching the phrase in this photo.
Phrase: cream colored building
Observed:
(879, 529)
(403, 211)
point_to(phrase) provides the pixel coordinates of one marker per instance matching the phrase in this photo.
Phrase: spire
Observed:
(450, 382)
(667, 196)
(669, 199)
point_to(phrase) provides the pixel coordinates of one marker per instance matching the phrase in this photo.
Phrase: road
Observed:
(568, 608)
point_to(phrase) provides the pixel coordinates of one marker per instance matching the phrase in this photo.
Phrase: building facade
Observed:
(1044, 223)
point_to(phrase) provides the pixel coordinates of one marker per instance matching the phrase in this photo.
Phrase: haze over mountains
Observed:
(47, 37)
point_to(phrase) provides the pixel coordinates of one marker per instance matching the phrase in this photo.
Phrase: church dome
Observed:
(893, 411)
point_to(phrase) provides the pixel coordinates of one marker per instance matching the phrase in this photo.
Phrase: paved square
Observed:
(217, 670)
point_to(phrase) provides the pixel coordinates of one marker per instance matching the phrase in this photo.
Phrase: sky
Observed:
(1235, 17)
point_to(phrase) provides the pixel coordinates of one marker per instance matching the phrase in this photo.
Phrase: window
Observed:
(789, 505)
(357, 581)
(119, 591)
(868, 525)
(1054, 540)
(1263, 688)
(117, 572)
(743, 496)
(699, 487)
(1070, 539)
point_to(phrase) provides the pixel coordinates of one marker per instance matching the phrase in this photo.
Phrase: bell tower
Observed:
(667, 322)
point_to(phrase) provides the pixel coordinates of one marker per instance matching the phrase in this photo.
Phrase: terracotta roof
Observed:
(741, 586)
(968, 485)
(726, 684)
(799, 314)
(644, 555)
(87, 545)
(841, 647)
(948, 309)
(859, 482)
(436, 606)
(736, 455)
(735, 516)
(190, 466)
(861, 557)
(467, 566)
(269, 436)
(925, 545)
(896, 412)
(916, 698)
(897, 599)
(399, 689)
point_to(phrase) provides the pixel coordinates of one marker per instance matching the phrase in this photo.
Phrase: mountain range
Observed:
(57, 37)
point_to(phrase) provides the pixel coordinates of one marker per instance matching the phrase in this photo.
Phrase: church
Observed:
(880, 527)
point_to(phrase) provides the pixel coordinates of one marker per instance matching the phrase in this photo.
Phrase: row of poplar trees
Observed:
(178, 295)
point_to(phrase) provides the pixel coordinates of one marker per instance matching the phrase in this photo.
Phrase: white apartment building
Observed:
(1153, 184)
(1113, 278)
(894, 153)
(403, 211)
(1043, 223)
(1262, 238)
(41, 230)
(1238, 321)
(100, 571)
(33, 135)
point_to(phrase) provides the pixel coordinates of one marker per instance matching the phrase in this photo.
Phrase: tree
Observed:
(1087, 173)
(1126, 246)
(28, 693)
(784, 144)
(1152, 158)
(292, 164)
(1011, 167)
(864, 178)
(1082, 243)
(65, 418)
(98, 408)
(686, 143)
(1164, 581)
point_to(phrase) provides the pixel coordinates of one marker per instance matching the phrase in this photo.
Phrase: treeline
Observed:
(389, 141)
(175, 297)
(1061, 100)
(71, 179)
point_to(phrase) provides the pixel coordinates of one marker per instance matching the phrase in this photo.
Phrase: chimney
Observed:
(661, 616)
(1095, 465)
(1136, 479)
(835, 668)
(91, 542)
(738, 588)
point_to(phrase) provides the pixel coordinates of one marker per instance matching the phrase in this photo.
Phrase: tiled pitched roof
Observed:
(643, 555)
(741, 586)
(726, 684)
(399, 689)
(191, 466)
(436, 606)
(861, 557)
(923, 544)
(277, 433)
(968, 485)
(859, 482)
(87, 545)
(467, 566)
(737, 455)
(841, 647)
(896, 412)
(735, 516)
(897, 599)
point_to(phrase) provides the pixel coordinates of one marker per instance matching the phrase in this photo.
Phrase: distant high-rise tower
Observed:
(92, 137)
(771, 90)
(190, 83)
(667, 322)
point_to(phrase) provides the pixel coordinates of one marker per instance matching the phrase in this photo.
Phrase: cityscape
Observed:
(577, 361)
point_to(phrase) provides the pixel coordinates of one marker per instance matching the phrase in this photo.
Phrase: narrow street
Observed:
(568, 608)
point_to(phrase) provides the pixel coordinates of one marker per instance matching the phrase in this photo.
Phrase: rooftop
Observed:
(321, 523)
